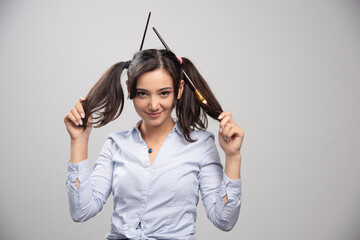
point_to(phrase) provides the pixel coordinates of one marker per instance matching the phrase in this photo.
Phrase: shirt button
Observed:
(144, 193)
(147, 170)
(228, 188)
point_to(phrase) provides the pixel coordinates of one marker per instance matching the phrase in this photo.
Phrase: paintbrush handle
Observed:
(189, 81)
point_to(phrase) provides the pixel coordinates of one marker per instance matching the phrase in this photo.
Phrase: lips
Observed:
(154, 115)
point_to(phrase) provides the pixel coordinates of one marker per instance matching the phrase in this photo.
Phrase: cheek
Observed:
(169, 103)
(139, 103)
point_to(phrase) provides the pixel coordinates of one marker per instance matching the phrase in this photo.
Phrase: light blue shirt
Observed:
(156, 201)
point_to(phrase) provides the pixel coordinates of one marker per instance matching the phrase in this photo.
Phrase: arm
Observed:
(78, 153)
(222, 203)
(232, 169)
(78, 137)
(230, 139)
(215, 186)
(86, 194)
(88, 198)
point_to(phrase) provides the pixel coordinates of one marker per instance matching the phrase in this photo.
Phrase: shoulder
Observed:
(202, 134)
(115, 141)
(120, 137)
(206, 146)
(197, 135)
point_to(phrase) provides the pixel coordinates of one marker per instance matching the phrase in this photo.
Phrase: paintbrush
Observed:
(143, 39)
(187, 78)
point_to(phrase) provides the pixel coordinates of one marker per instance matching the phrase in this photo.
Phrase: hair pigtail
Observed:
(106, 98)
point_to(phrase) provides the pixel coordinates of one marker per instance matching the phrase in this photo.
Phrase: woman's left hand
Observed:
(230, 135)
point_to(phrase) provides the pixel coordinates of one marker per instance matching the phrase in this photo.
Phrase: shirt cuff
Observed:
(231, 188)
(78, 171)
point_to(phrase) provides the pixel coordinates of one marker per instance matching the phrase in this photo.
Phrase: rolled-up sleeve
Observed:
(95, 188)
(214, 185)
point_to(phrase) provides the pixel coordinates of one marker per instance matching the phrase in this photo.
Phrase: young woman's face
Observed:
(155, 97)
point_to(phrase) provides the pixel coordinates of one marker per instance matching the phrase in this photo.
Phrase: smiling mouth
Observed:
(154, 115)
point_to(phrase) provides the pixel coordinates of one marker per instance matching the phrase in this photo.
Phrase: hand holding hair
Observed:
(74, 121)
(230, 135)
(230, 139)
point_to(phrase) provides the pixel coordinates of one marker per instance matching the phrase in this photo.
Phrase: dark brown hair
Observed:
(105, 101)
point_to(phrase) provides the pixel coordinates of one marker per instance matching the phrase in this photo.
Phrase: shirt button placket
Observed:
(144, 193)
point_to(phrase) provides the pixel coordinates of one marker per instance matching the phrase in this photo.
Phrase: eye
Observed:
(165, 93)
(141, 94)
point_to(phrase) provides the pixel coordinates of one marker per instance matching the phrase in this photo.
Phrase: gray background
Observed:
(288, 70)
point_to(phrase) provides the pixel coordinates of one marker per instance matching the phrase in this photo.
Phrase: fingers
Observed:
(227, 131)
(77, 113)
(80, 109)
(223, 114)
(226, 118)
(228, 127)
(71, 117)
(77, 116)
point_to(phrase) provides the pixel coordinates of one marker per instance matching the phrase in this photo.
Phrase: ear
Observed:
(181, 89)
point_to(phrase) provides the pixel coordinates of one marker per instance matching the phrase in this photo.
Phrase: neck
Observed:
(155, 134)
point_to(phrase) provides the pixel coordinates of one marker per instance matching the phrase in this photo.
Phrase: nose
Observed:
(154, 103)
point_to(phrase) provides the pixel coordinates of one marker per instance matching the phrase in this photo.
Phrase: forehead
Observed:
(156, 79)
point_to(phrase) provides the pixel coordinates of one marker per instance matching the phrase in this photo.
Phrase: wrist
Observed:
(233, 166)
(79, 141)
(79, 150)
(233, 157)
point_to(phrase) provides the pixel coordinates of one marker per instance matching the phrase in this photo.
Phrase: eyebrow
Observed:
(161, 89)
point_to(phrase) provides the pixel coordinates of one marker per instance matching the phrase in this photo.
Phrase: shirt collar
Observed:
(135, 132)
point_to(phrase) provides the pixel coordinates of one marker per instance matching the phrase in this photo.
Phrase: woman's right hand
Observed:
(74, 124)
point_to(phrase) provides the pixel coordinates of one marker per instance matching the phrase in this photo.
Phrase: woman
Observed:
(155, 170)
